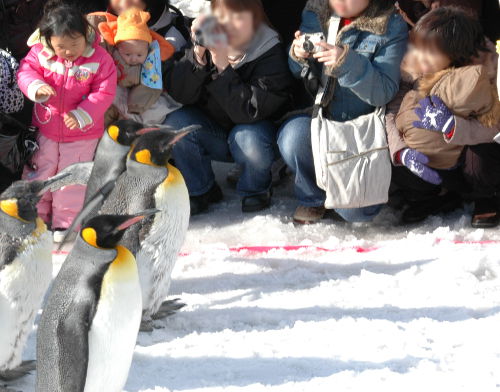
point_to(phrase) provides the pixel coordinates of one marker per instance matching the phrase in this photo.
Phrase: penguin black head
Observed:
(155, 148)
(20, 199)
(22, 209)
(125, 132)
(106, 231)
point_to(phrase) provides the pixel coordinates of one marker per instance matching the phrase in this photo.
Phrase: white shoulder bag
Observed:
(351, 158)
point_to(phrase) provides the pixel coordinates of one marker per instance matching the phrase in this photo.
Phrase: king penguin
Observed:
(109, 161)
(151, 182)
(25, 270)
(89, 326)
(110, 157)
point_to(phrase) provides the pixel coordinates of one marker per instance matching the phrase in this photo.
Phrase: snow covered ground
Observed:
(417, 310)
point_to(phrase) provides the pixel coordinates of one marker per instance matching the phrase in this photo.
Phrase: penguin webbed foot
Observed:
(168, 308)
(146, 325)
(22, 370)
(149, 325)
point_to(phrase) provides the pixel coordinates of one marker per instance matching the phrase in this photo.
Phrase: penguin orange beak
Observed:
(137, 218)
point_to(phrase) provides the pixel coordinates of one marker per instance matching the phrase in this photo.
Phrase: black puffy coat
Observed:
(258, 90)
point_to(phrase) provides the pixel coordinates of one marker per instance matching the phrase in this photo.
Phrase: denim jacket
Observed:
(368, 72)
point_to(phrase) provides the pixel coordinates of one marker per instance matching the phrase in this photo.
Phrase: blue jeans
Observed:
(252, 146)
(294, 142)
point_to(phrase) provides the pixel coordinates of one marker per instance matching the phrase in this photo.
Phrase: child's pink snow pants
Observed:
(61, 207)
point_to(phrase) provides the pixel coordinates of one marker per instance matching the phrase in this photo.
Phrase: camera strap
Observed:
(325, 91)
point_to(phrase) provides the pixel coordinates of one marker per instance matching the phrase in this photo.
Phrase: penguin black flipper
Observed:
(72, 336)
(168, 308)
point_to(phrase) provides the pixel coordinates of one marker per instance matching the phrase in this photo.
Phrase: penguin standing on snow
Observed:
(151, 182)
(89, 326)
(25, 270)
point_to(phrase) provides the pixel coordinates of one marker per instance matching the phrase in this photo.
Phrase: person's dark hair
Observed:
(453, 32)
(62, 19)
(377, 7)
(254, 6)
(156, 7)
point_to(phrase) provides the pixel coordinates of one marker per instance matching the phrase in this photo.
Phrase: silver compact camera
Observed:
(206, 34)
(310, 42)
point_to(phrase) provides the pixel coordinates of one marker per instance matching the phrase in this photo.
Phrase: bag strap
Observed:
(327, 82)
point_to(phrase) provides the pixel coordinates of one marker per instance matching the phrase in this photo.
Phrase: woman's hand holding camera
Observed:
(208, 34)
(298, 48)
(220, 52)
(199, 51)
(330, 56)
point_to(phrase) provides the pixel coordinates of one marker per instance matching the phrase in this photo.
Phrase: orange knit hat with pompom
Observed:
(133, 25)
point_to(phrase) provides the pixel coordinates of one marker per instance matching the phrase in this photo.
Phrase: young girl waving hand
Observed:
(72, 81)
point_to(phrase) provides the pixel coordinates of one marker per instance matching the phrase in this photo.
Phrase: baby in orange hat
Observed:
(138, 53)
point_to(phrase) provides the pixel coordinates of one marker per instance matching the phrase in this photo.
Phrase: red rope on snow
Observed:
(256, 250)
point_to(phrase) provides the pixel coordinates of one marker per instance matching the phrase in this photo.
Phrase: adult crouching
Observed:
(371, 42)
(234, 87)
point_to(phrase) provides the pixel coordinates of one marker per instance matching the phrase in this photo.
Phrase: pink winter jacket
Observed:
(85, 88)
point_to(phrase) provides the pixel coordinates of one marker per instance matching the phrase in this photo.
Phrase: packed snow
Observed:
(359, 307)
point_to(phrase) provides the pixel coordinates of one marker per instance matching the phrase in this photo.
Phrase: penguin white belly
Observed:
(114, 329)
(159, 250)
(23, 284)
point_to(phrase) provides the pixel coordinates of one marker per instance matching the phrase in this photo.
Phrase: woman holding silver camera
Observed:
(361, 64)
(233, 82)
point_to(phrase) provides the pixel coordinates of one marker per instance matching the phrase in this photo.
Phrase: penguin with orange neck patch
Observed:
(25, 270)
(151, 182)
(89, 326)
(110, 158)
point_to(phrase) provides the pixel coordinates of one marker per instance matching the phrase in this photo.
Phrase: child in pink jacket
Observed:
(72, 81)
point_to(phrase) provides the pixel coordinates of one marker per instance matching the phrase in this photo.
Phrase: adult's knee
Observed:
(294, 140)
(253, 143)
(182, 118)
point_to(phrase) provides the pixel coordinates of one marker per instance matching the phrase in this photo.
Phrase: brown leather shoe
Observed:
(308, 215)
(486, 214)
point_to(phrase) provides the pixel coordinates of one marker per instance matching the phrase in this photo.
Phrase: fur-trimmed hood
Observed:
(375, 24)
